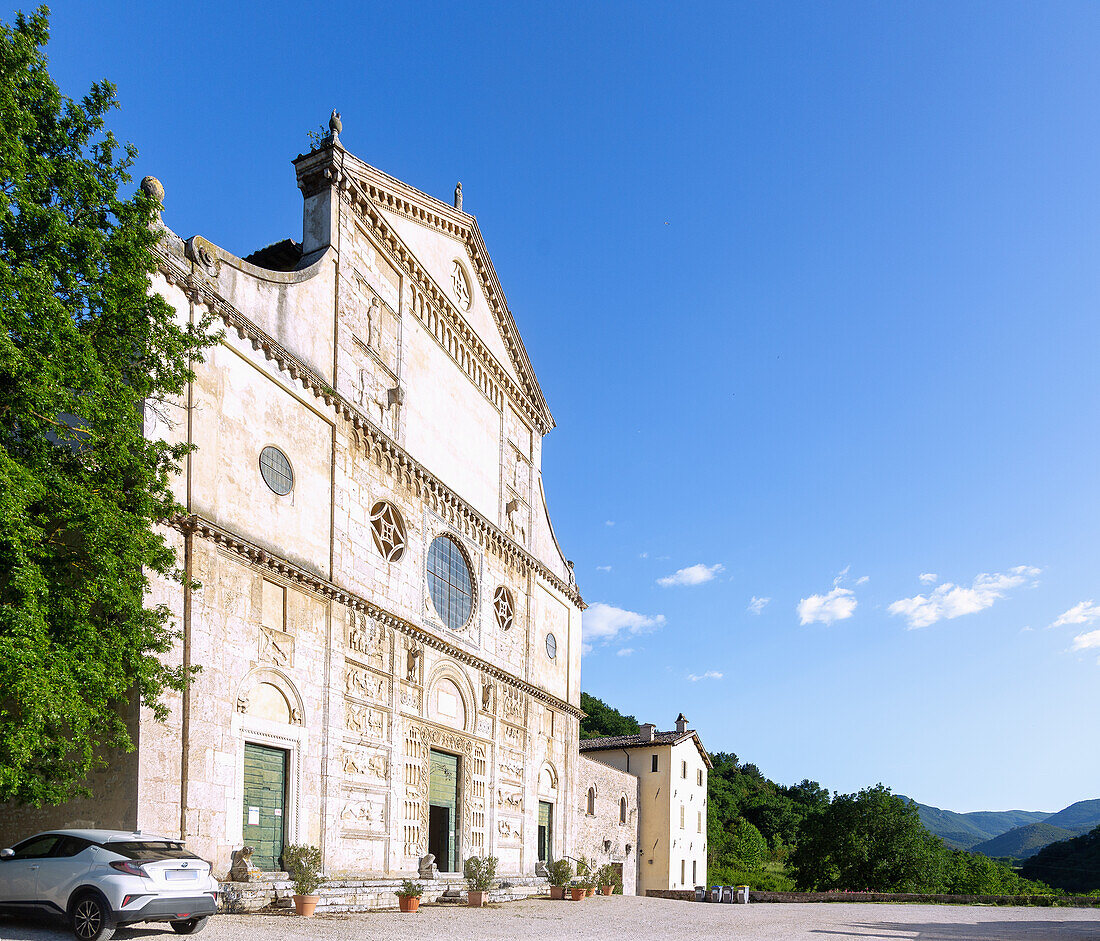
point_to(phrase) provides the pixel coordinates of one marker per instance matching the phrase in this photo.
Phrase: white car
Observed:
(100, 879)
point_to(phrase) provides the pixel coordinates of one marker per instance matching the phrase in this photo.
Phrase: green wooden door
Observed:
(264, 797)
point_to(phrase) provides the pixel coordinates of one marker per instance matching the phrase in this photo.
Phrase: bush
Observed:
(304, 865)
(410, 889)
(559, 872)
(760, 879)
(608, 875)
(479, 872)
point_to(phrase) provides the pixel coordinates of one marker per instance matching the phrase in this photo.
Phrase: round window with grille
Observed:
(276, 471)
(388, 530)
(450, 582)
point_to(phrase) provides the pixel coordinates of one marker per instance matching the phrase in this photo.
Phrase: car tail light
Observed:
(131, 869)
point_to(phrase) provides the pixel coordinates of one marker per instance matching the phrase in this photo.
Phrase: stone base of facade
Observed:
(362, 895)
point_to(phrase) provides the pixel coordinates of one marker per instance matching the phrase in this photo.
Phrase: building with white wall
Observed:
(388, 631)
(671, 769)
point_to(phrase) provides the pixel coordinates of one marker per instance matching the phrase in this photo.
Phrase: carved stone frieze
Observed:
(509, 830)
(511, 765)
(368, 722)
(361, 683)
(364, 763)
(510, 799)
(366, 638)
(276, 647)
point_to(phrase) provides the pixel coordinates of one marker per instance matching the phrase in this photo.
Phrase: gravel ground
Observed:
(626, 918)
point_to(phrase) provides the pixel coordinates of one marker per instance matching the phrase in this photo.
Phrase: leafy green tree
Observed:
(748, 847)
(84, 348)
(1072, 865)
(872, 840)
(602, 720)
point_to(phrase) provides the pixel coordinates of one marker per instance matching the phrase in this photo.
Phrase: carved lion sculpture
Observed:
(427, 867)
(243, 869)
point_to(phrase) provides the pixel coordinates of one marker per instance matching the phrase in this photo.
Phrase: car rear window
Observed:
(148, 851)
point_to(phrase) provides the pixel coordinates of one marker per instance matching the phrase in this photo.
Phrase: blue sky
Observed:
(812, 291)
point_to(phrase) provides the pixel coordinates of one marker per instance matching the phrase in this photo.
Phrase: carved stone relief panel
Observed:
(367, 640)
(364, 762)
(514, 738)
(276, 647)
(510, 799)
(365, 721)
(362, 683)
(513, 705)
(484, 726)
(410, 699)
(509, 830)
(362, 813)
(511, 765)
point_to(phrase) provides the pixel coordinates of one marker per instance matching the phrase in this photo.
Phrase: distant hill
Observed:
(1080, 817)
(1022, 842)
(964, 831)
(1073, 865)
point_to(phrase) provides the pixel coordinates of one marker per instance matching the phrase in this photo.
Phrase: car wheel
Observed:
(190, 925)
(90, 918)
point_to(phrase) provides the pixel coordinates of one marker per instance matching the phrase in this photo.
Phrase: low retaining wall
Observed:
(360, 895)
(1068, 901)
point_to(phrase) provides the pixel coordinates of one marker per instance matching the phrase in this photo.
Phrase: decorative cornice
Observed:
(378, 445)
(256, 555)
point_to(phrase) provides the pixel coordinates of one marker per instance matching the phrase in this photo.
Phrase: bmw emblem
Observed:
(183, 866)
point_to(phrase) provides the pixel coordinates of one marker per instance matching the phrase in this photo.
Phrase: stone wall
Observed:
(1073, 901)
(603, 836)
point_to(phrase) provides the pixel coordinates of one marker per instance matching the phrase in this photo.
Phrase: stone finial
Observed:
(334, 124)
(154, 189)
(458, 195)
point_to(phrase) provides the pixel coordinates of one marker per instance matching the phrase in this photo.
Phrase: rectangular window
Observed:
(654, 768)
(700, 774)
(699, 822)
(694, 872)
(683, 863)
(681, 816)
(683, 770)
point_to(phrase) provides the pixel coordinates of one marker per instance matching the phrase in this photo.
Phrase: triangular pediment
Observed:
(427, 237)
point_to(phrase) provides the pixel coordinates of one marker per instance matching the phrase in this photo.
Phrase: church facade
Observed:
(388, 632)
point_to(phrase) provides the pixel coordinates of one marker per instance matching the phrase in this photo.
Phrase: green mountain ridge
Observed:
(965, 831)
(1022, 842)
(1080, 817)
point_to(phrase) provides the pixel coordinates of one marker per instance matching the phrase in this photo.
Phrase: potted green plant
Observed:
(559, 872)
(303, 863)
(479, 872)
(585, 875)
(608, 879)
(408, 896)
(577, 889)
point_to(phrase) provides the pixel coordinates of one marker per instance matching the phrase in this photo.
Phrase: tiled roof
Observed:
(280, 256)
(629, 741)
(636, 741)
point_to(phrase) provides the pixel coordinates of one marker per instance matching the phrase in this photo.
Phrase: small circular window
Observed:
(502, 604)
(276, 471)
(551, 646)
(450, 582)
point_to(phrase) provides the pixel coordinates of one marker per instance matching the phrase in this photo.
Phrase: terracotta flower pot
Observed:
(475, 898)
(578, 893)
(306, 904)
(408, 903)
(607, 889)
(557, 891)
(590, 892)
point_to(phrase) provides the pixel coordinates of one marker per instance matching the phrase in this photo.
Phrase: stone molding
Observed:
(207, 529)
(378, 445)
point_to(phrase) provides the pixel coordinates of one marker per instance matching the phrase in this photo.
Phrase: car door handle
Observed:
(32, 868)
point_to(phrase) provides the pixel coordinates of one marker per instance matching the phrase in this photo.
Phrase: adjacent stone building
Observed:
(671, 772)
(388, 632)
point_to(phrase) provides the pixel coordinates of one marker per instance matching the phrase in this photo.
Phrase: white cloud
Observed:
(692, 575)
(609, 522)
(928, 578)
(624, 651)
(1086, 641)
(837, 605)
(863, 579)
(1084, 613)
(758, 604)
(603, 568)
(951, 601)
(643, 555)
(604, 622)
(709, 675)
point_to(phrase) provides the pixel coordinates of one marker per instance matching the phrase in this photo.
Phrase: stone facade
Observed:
(380, 360)
(607, 814)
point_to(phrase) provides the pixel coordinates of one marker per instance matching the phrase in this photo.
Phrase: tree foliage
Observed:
(84, 348)
(602, 720)
(1072, 865)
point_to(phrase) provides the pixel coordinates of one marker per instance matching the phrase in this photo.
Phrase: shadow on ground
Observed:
(13, 928)
(1006, 930)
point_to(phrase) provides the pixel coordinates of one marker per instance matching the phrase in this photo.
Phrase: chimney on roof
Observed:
(681, 724)
(647, 729)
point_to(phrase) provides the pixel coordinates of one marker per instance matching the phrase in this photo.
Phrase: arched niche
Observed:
(451, 699)
(548, 782)
(268, 694)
